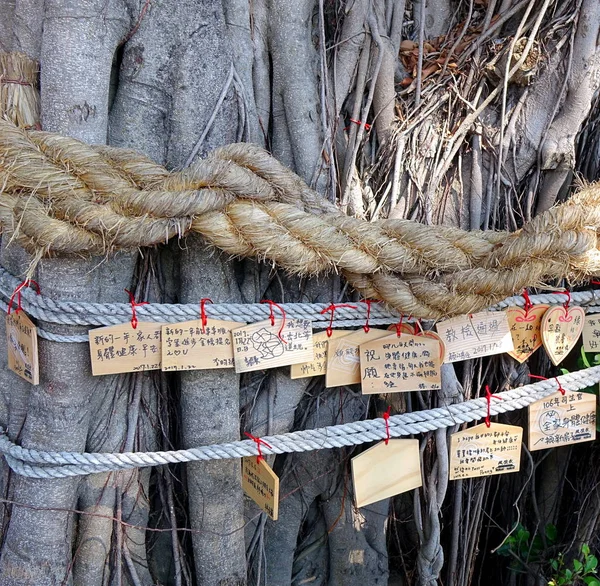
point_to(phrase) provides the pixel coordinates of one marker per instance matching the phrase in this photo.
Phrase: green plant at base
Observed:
(582, 571)
(523, 549)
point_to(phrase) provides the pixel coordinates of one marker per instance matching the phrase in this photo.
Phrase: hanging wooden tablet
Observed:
(121, 348)
(318, 365)
(386, 470)
(261, 345)
(560, 420)
(525, 329)
(484, 451)
(261, 484)
(343, 358)
(475, 335)
(400, 363)
(561, 329)
(190, 346)
(591, 333)
(21, 341)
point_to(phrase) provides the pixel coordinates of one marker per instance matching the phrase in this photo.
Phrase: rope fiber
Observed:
(59, 195)
(42, 464)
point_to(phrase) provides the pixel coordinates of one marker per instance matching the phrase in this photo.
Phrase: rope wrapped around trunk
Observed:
(61, 196)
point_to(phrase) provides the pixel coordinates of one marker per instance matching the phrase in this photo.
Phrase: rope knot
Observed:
(134, 304)
(272, 317)
(258, 443)
(203, 317)
(17, 292)
(488, 397)
(332, 309)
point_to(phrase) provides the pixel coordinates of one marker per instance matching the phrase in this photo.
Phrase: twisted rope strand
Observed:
(46, 464)
(61, 195)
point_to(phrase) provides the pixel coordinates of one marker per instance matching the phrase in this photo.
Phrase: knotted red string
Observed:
(272, 317)
(386, 418)
(566, 317)
(17, 292)
(367, 126)
(560, 388)
(332, 309)
(489, 396)
(398, 326)
(134, 304)
(366, 326)
(528, 305)
(258, 442)
(203, 317)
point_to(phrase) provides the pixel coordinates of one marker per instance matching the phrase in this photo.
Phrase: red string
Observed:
(489, 396)
(566, 317)
(386, 417)
(17, 292)
(134, 319)
(367, 126)
(399, 326)
(421, 331)
(332, 309)
(272, 317)
(203, 317)
(366, 326)
(528, 304)
(258, 442)
(560, 388)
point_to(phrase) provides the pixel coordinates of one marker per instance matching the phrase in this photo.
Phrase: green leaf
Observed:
(577, 565)
(591, 581)
(584, 358)
(551, 533)
(585, 549)
(554, 564)
(568, 574)
(591, 563)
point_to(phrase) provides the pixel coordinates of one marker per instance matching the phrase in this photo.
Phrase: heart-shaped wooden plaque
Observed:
(525, 329)
(561, 329)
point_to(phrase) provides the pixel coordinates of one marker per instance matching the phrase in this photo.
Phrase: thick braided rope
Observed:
(60, 195)
(42, 464)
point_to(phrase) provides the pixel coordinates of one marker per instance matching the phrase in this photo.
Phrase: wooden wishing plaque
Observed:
(561, 329)
(400, 363)
(343, 357)
(525, 329)
(560, 420)
(120, 348)
(261, 484)
(318, 365)
(484, 451)
(21, 341)
(189, 346)
(591, 333)
(386, 470)
(475, 335)
(261, 345)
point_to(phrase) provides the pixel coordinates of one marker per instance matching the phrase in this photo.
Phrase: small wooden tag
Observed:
(484, 451)
(405, 328)
(343, 357)
(185, 347)
(525, 329)
(21, 341)
(475, 335)
(400, 363)
(560, 420)
(120, 348)
(386, 470)
(591, 333)
(561, 329)
(258, 346)
(261, 484)
(318, 365)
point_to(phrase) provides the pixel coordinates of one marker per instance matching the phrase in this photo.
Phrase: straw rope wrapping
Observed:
(41, 464)
(59, 195)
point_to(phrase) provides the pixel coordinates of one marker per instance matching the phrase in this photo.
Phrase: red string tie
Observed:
(258, 442)
(566, 317)
(17, 293)
(386, 418)
(366, 326)
(489, 396)
(421, 332)
(359, 122)
(399, 326)
(272, 317)
(203, 317)
(528, 305)
(331, 308)
(560, 387)
(134, 304)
